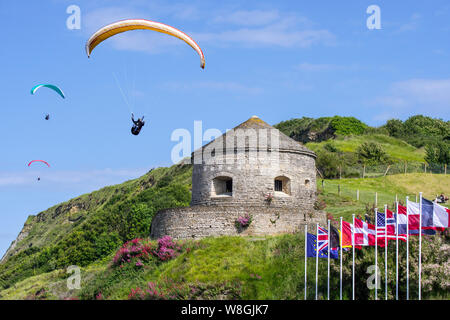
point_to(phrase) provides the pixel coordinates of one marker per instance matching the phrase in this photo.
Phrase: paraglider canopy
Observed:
(50, 86)
(38, 161)
(140, 24)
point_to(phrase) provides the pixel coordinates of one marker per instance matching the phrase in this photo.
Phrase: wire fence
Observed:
(377, 198)
(366, 171)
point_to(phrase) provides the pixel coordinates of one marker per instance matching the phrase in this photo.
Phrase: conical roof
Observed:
(266, 136)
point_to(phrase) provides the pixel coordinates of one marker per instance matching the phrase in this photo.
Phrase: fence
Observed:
(379, 198)
(366, 171)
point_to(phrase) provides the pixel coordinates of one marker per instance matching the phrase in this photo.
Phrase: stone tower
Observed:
(253, 169)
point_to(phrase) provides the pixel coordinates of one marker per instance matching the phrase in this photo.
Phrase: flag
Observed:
(434, 216)
(414, 222)
(441, 217)
(346, 234)
(334, 238)
(312, 245)
(381, 228)
(364, 233)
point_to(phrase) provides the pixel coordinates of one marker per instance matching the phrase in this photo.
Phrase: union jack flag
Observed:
(322, 236)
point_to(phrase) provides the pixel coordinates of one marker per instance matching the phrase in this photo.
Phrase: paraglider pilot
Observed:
(138, 124)
(47, 116)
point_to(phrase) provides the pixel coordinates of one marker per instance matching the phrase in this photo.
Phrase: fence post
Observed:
(425, 166)
(357, 194)
(323, 183)
(339, 189)
(340, 172)
(364, 171)
(406, 166)
(376, 198)
(445, 168)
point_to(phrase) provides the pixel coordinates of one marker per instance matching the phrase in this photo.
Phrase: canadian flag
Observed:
(364, 233)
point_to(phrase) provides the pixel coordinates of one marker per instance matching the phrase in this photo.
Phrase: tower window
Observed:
(222, 186)
(278, 185)
(282, 184)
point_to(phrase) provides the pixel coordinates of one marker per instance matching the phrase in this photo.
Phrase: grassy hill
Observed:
(395, 148)
(88, 231)
(226, 267)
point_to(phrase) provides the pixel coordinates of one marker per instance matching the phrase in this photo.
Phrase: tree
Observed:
(372, 153)
(437, 153)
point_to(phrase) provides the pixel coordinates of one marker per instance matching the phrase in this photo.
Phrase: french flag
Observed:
(434, 216)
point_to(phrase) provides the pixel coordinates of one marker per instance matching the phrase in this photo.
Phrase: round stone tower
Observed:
(252, 163)
(253, 170)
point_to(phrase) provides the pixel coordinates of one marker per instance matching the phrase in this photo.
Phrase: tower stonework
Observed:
(253, 169)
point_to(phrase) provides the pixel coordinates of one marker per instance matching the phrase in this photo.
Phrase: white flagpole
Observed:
(385, 254)
(317, 256)
(420, 246)
(353, 258)
(340, 272)
(329, 245)
(376, 254)
(306, 252)
(396, 250)
(407, 249)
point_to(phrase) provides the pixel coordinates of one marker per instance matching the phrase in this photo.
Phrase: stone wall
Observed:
(203, 221)
(253, 177)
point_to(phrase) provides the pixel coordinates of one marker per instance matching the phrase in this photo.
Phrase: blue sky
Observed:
(276, 59)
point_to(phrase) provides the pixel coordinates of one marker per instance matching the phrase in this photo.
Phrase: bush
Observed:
(372, 153)
(347, 126)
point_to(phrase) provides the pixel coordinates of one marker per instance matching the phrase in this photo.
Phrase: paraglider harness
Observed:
(138, 124)
(47, 116)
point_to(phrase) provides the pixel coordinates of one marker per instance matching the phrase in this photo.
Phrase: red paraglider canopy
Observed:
(38, 161)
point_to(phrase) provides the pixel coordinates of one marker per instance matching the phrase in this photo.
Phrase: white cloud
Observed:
(412, 24)
(248, 18)
(67, 178)
(425, 96)
(245, 28)
(213, 85)
(318, 67)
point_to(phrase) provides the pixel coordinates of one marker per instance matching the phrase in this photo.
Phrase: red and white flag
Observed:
(364, 233)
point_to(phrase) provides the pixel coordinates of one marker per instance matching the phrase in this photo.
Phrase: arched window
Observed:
(282, 184)
(222, 186)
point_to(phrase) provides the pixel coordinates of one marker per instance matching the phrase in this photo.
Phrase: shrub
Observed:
(243, 222)
(372, 153)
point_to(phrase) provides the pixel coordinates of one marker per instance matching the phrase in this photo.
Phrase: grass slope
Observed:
(395, 148)
(270, 267)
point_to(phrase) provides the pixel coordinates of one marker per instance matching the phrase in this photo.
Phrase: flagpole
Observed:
(396, 250)
(407, 249)
(353, 258)
(317, 255)
(420, 246)
(385, 254)
(306, 251)
(376, 253)
(329, 245)
(340, 272)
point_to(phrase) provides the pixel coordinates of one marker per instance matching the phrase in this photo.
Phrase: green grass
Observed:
(387, 188)
(395, 148)
(278, 260)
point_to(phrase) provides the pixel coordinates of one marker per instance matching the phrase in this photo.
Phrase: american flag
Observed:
(386, 221)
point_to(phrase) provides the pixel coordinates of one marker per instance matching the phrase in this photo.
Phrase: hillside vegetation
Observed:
(95, 231)
(269, 267)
